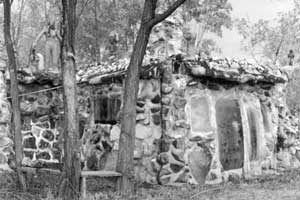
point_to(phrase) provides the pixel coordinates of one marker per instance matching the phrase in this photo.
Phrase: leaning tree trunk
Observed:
(70, 185)
(127, 137)
(16, 128)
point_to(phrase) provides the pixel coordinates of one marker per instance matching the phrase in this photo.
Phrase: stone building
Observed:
(197, 121)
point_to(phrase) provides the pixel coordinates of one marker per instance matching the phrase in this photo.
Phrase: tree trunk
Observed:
(96, 31)
(16, 128)
(127, 137)
(71, 134)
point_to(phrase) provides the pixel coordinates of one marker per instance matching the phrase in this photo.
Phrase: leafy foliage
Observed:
(266, 39)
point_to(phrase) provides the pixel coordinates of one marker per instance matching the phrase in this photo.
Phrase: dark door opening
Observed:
(230, 133)
(253, 134)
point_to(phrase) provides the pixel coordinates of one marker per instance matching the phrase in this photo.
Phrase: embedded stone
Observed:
(143, 132)
(56, 154)
(43, 110)
(28, 107)
(26, 126)
(167, 75)
(146, 121)
(138, 150)
(140, 110)
(166, 124)
(36, 131)
(156, 99)
(43, 125)
(3, 159)
(165, 111)
(148, 89)
(5, 115)
(179, 102)
(155, 109)
(166, 101)
(115, 133)
(29, 154)
(42, 99)
(44, 145)
(4, 131)
(140, 116)
(199, 162)
(234, 178)
(182, 124)
(47, 134)
(56, 145)
(166, 89)
(140, 103)
(179, 92)
(30, 143)
(27, 162)
(156, 119)
(43, 155)
(176, 168)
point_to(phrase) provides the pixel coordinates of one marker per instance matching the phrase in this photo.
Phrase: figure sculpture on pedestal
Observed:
(52, 46)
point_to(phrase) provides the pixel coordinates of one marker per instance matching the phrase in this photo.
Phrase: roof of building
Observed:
(239, 71)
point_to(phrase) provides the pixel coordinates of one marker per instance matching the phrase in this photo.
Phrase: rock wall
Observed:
(42, 122)
(6, 143)
(216, 130)
(189, 128)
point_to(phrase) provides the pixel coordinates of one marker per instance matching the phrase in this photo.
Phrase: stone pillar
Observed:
(6, 143)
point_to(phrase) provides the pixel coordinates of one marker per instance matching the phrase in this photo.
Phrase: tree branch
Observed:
(81, 11)
(160, 17)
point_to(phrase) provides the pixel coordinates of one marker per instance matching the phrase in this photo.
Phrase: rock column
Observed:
(6, 143)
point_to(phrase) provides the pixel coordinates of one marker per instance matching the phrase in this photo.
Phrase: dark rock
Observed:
(56, 146)
(179, 102)
(140, 103)
(26, 126)
(155, 109)
(43, 155)
(176, 168)
(30, 143)
(47, 134)
(165, 111)
(234, 178)
(92, 162)
(42, 111)
(29, 154)
(30, 98)
(213, 176)
(156, 119)
(44, 145)
(44, 125)
(156, 99)
(56, 154)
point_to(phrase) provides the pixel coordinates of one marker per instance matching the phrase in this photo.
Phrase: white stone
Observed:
(143, 132)
(115, 133)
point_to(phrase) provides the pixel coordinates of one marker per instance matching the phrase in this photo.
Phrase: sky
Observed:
(254, 10)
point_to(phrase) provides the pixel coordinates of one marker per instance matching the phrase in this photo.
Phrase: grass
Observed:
(282, 186)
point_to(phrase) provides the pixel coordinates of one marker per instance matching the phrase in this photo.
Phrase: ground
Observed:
(284, 186)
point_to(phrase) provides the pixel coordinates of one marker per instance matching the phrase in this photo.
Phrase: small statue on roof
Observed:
(52, 34)
(291, 57)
